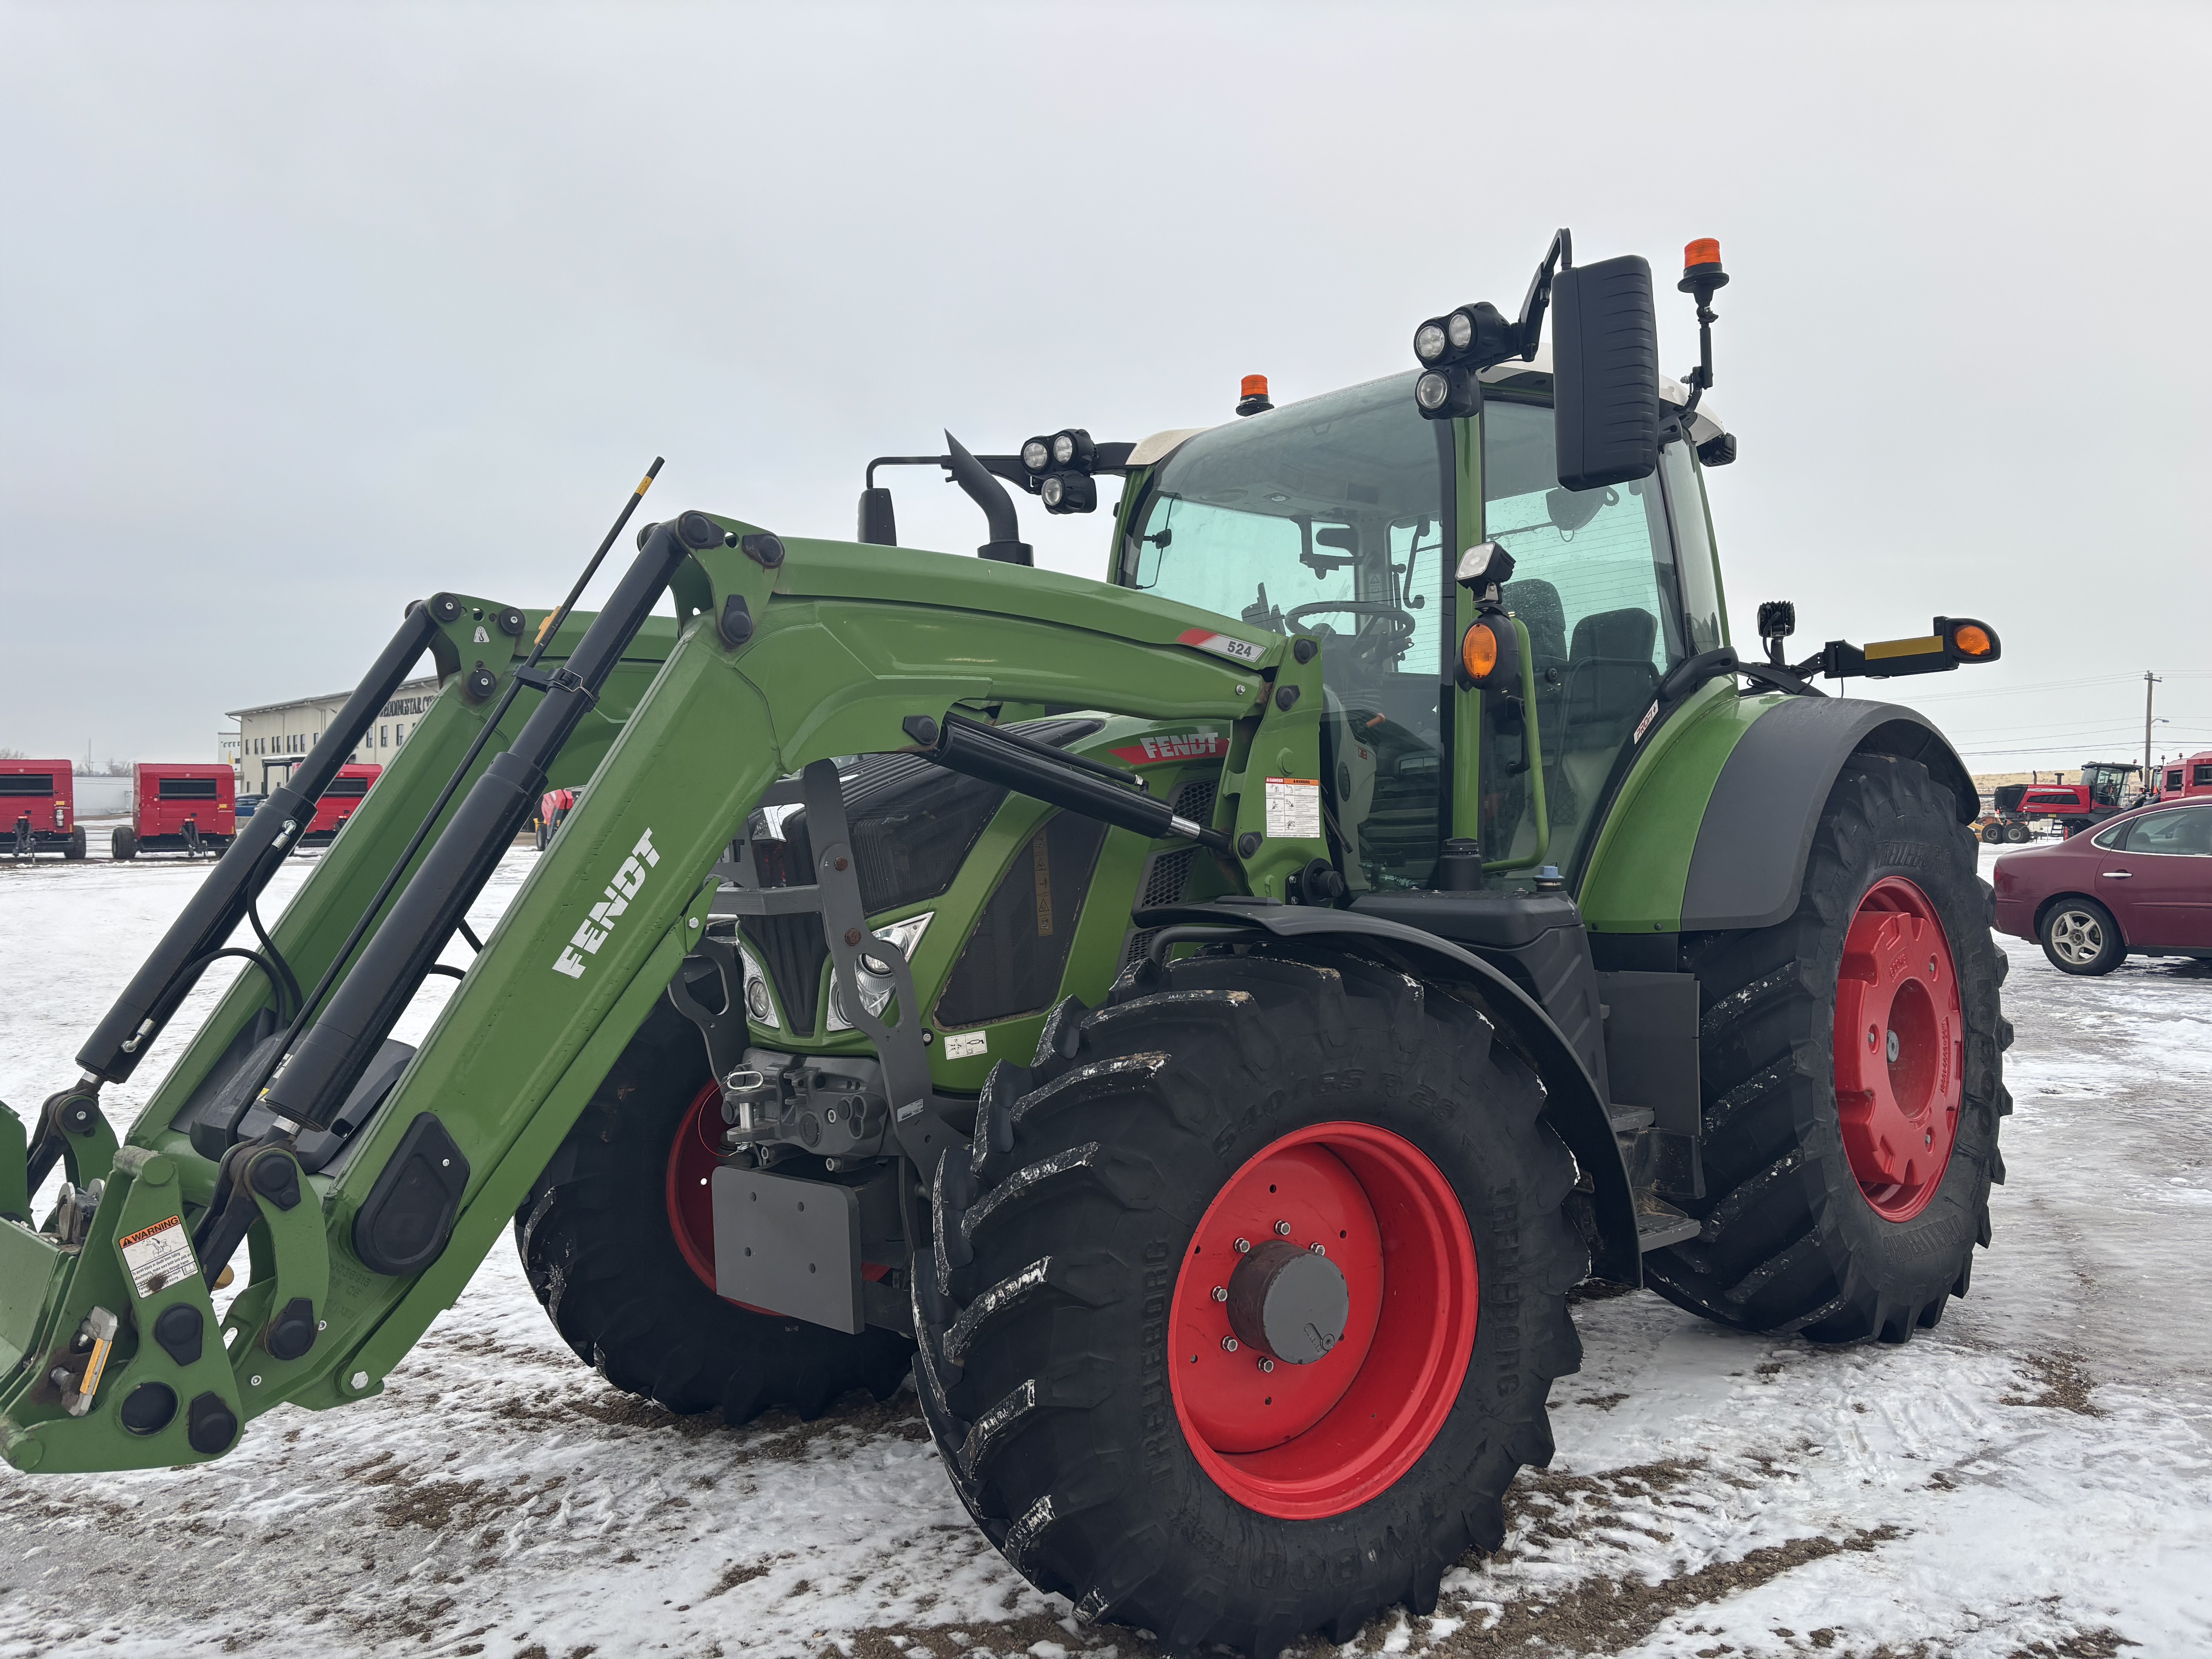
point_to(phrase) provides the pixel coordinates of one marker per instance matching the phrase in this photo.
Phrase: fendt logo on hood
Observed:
(620, 891)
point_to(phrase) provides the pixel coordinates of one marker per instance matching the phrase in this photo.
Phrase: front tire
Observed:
(2081, 936)
(1853, 1080)
(1993, 834)
(123, 846)
(73, 850)
(600, 1241)
(1093, 1339)
(2018, 833)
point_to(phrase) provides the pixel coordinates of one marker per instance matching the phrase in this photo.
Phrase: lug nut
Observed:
(1282, 1229)
(1228, 1345)
(1221, 1293)
(1267, 1365)
(1318, 1248)
(1243, 1246)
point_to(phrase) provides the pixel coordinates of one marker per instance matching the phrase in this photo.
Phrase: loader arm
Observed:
(828, 650)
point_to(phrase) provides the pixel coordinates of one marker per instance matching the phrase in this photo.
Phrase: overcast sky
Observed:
(310, 310)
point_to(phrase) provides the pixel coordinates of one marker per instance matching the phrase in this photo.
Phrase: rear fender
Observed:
(1572, 1104)
(1712, 827)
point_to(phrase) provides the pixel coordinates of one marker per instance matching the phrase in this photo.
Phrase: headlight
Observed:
(1459, 329)
(1036, 455)
(760, 1006)
(1432, 390)
(1063, 450)
(874, 975)
(1428, 343)
(1055, 488)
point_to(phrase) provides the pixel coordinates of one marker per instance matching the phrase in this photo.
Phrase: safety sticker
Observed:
(1222, 645)
(1294, 808)
(966, 1045)
(159, 1256)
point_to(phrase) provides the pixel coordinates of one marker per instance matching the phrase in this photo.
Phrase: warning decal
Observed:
(1222, 645)
(1294, 808)
(156, 1257)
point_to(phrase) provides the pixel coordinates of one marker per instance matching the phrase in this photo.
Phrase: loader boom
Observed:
(845, 643)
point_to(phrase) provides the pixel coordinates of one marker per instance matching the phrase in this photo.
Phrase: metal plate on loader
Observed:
(792, 1246)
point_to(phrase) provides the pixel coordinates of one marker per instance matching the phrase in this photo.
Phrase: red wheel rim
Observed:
(1308, 1440)
(692, 1161)
(1900, 1041)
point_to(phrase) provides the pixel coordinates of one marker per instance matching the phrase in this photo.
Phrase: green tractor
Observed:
(1200, 1024)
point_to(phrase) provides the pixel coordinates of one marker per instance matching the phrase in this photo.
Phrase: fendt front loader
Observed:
(1201, 1023)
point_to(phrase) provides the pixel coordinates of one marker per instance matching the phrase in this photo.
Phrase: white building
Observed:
(274, 737)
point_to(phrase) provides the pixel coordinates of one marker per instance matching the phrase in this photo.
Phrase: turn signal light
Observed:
(1974, 641)
(1489, 653)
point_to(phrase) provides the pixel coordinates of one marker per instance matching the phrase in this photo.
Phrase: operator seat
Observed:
(1610, 676)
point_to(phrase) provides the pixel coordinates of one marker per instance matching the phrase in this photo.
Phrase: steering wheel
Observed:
(1402, 622)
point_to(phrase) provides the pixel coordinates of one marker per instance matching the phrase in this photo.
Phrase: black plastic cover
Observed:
(180, 1331)
(210, 1425)
(409, 1212)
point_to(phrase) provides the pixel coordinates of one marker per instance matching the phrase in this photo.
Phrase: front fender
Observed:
(1572, 1104)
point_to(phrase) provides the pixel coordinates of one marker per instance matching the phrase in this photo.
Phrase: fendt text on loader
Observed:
(1200, 1024)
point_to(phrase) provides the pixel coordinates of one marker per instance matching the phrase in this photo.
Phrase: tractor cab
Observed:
(2109, 783)
(1328, 517)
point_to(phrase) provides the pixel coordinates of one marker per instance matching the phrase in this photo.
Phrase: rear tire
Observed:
(2081, 936)
(2018, 833)
(1808, 1225)
(600, 1251)
(1093, 1419)
(1993, 834)
(74, 848)
(123, 846)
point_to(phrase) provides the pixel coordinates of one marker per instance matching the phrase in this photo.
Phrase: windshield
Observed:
(1326, 517)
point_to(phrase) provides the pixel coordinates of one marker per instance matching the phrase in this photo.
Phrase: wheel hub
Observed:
(1289, 1303)
(1900, 1049)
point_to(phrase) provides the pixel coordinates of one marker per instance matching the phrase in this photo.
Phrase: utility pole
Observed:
(2150, 680)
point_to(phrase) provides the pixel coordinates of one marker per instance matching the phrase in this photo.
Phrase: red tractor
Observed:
(2102, 792)
(37, 808)
(178, 807)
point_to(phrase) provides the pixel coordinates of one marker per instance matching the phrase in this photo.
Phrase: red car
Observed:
(2141, 884)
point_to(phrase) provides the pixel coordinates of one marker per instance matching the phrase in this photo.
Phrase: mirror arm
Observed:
(1529, 328)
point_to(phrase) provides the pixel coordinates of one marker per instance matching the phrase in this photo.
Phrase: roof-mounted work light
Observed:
(1058, 467)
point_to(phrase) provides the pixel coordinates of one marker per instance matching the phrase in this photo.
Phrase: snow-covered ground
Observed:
(2029, 1479)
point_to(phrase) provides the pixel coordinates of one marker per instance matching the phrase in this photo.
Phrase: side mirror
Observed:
(1605, 369)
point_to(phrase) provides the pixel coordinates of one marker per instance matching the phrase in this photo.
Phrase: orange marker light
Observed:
(1478, 652)
(1256, 385)
(1972, 639)
(1705, 251)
